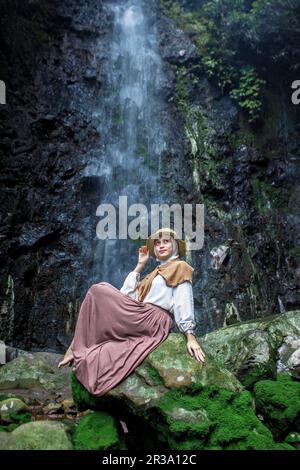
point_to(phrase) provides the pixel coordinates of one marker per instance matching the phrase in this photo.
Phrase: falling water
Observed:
(281, 305)
(131, 125)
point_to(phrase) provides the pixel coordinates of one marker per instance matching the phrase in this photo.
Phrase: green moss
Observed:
(9, 427)
(266, 198)
(96, 431)
(117, 119)
(230, 421)
(6, 397)
(194, 417)
(16, 419)
(181, 93)
(208, 26)
(155, 377)
(257, 373)
(20, 418)
(82, 398)
(279, 403)
(293, 439)
(141, 150)
(202, 136)
(213, 209)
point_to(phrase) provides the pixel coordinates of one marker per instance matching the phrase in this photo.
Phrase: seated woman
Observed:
(117, 329)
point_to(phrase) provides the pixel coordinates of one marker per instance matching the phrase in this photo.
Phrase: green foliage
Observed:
(233, 35)
(181, 94)
(267, 198)
(248, 92)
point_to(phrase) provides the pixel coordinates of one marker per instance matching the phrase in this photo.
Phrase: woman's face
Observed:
(163, 248)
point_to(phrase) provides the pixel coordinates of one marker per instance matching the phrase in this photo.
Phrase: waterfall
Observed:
(131, 127)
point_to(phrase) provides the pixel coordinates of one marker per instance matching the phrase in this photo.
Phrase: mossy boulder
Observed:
(36, 371)
(168, 367)
(97, 431)
(191, 418)
(293, 438)
(13, 410)
(212, 418)
(206, 409)
(279, 403)
(37, 435)
(257, 350)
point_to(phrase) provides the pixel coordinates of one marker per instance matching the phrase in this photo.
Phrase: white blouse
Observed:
(177, 300)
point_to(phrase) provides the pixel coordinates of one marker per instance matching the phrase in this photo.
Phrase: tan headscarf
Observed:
(174, 272)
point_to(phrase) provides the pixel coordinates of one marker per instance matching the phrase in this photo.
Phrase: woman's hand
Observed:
(143, 258)
(195, 350)
(143, 255)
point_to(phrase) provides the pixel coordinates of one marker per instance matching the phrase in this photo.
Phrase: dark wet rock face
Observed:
(58, 163)
(47, 204)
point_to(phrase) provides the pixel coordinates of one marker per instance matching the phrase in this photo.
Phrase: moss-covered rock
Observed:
(178, 370)
(168, 367)
(257, 350)
(205, 409)
(37, 435)
(35, 370)
(97, 431)
(195, 417)
(293, 438)
(221, 420)
(13, 410)
(279, 403)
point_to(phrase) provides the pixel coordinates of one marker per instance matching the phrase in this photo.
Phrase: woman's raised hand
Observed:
(143, 255)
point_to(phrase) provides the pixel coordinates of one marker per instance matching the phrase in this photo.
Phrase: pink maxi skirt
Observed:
(113, 335)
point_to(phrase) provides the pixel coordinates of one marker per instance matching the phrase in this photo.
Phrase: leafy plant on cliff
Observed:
(248, 92)
(239, 39)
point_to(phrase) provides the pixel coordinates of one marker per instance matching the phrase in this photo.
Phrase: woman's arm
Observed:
(133, 278)
(185, 317)
(130, 284)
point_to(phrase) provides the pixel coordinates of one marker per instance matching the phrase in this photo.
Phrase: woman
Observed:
(117, 329)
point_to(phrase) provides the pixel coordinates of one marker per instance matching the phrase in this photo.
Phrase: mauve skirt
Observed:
(113, 335)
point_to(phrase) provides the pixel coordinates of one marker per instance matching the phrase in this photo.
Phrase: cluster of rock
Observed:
(245, 396)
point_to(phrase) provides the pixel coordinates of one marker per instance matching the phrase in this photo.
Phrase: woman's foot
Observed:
(67, 360)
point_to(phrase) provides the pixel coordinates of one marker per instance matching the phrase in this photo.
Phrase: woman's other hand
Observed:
(195, 349)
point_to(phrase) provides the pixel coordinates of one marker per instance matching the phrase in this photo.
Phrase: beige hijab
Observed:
(174, 271)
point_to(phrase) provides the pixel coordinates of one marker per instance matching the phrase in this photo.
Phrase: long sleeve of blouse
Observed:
(130, 285)
(177, 300)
